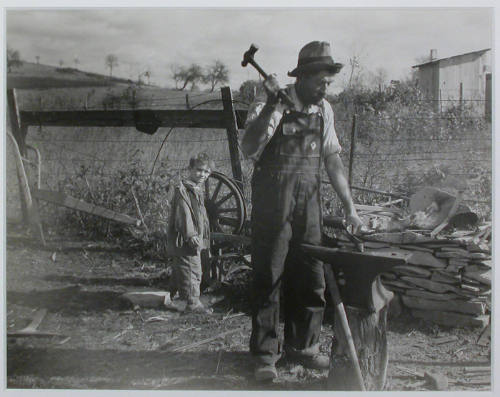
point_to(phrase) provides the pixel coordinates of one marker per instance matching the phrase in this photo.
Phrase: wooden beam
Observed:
(126, 118)
(232, 135)
(60, 198)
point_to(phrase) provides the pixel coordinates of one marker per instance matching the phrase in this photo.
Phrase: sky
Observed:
(153, 39)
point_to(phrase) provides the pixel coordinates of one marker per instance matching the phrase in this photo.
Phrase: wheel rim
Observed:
(225, 204)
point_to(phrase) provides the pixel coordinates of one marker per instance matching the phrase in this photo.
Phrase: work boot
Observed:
(265, 372)
(171, 305)
(195, 306)
(311, 361)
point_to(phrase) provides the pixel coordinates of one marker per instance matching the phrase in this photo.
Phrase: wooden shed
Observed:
(460, 80)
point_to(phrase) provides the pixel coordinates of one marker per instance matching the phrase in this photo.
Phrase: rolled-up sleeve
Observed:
(255, 110)
(331, 143)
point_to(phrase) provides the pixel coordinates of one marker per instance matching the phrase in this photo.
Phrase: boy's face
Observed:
(199, 173)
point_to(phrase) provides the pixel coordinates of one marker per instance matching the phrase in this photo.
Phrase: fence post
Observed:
(461, 95)
(232, 135)
(353, 146)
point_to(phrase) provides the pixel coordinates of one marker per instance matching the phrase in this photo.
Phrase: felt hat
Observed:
(315, 56)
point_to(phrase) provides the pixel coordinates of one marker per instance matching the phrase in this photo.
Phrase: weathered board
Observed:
(60, 198)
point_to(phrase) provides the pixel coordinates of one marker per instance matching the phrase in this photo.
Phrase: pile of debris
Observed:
(447, 279)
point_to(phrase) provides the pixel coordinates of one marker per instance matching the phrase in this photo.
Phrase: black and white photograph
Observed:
(248, 197)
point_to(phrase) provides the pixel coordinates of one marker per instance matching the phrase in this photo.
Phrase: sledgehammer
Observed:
(248, 59)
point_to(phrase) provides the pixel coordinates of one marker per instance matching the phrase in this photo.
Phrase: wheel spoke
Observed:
(224, 199)
(225, 210)
(216, 190)
(224, 220)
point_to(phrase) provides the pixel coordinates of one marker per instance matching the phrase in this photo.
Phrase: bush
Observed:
(403, 143)
(127, 192)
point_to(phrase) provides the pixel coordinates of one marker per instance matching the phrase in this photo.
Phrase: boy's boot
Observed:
(169, 304)
(194, 305)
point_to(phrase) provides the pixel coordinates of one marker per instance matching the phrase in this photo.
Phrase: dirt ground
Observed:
(105, 344)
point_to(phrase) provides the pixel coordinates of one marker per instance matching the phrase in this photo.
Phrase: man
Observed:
(289, 140)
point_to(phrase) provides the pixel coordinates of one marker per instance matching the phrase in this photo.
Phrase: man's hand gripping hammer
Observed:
(248, 59)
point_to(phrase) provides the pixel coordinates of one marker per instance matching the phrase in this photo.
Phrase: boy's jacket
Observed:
(188, 218)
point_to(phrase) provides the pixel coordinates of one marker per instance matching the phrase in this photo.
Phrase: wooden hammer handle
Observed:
(334, 295)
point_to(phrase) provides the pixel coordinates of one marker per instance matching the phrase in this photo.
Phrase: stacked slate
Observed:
(446, 280)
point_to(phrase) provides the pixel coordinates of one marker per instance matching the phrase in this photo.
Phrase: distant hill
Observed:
(44, 87)
(32, 75)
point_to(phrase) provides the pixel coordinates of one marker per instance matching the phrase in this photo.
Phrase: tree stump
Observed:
(369, 332)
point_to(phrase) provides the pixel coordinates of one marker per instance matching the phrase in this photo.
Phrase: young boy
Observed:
(188, 235)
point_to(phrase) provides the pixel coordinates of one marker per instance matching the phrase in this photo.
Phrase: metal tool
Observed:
(360, 246)
(248, 58)
(340, 223)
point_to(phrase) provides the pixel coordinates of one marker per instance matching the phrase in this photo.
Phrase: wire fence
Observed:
(394, 152)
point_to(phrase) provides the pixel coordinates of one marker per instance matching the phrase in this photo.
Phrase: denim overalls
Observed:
(287, 212)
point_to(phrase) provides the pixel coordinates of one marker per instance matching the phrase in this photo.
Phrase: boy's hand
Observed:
(194, 242)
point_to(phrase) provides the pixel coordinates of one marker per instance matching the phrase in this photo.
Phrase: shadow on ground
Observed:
(226, 370)
(69, 300)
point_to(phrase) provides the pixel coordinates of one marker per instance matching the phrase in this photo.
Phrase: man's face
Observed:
(199, 173)
(312, 87)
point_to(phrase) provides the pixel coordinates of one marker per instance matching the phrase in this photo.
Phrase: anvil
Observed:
(360, 270)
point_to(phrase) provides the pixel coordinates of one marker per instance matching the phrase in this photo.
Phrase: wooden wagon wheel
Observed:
(225, 204)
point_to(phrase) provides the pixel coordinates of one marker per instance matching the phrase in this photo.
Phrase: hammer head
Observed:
(248, 55)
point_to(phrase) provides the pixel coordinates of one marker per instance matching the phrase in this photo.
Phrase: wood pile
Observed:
(447, 279)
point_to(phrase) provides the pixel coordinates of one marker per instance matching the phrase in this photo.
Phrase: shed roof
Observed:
(479, 52)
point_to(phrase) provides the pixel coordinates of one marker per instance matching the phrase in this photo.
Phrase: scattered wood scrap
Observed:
(207, 340)
(445, 339)
(434, 380)
(31, 329)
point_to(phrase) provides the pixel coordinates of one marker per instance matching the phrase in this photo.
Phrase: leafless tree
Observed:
(13, 59)
(216, 73)
(187, 75)
(111, 61)
(175, 74)
(379, 78)
(354, 64)
(146, 74)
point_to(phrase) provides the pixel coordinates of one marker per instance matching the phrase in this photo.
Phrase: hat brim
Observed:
(316, 67)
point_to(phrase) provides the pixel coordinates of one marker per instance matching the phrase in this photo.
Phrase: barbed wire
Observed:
(180, 164)
(426, 159)
(481, 150)
(129, 140)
